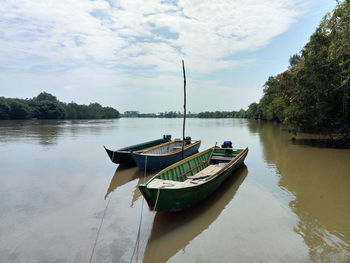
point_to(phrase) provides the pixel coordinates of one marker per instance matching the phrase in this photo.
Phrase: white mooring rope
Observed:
(155, 205)
(99, 229)
(137, 242)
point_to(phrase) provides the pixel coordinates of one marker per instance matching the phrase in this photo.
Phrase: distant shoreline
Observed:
(47, 106)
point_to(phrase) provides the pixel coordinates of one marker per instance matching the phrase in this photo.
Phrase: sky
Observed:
(127, 53)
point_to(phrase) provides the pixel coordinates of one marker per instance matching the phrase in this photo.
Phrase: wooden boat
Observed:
(190, 223)
(163, 155)
(123, 155)
(191, 180)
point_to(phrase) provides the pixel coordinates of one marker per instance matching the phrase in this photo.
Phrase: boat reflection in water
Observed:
(142, 180)
(172, 232)
(125, 174)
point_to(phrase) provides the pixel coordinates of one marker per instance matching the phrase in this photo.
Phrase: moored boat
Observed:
(123, 155)
(163, 155)
(191, 180)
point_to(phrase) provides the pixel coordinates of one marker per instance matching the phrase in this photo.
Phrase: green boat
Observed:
(191, 180)
(124, 155)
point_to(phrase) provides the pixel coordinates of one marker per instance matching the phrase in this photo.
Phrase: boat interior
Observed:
(197, 170)
(142, 146)
(168, 147)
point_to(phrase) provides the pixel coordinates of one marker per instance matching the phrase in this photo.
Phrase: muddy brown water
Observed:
(289, 202)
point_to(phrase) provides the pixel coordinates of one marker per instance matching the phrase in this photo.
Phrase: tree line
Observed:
(166, 114)
(313, 93)
(207, 114)
(222, 114)
(46, 106)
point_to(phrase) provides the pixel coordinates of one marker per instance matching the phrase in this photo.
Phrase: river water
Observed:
(289, 202)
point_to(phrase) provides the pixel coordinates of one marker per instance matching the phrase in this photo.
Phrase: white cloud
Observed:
(68, 87)
(117, 51)
(156, 34)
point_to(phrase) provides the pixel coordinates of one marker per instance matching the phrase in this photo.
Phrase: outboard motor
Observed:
(167, 137)
(188, 140)
(227, 145)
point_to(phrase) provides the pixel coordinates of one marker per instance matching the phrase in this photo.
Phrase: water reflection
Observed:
(321, 143)
(44, 132)
(136, 194)
(123, 174)
(47, 132)
(173, 231)
(293, 206)
(320, 181)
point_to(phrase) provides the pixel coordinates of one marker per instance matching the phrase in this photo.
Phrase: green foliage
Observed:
(171, 114)
(18, 110)
(206, 114)
(44, 96)
(4, 109)
(312, 94)
(166, 114)
(91, 111)
(294, 60)
(222, 114)
(46, 106)
(253, 111)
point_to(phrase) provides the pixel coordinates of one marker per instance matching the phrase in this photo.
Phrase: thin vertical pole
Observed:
(184, 121)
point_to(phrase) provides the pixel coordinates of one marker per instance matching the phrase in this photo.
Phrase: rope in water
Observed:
(155, 205)
(137, 242)
(101, 223)
(99, 229)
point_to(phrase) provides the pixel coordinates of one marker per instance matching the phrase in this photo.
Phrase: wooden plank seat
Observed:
(160, 183)
(194, 179)
(207, 171)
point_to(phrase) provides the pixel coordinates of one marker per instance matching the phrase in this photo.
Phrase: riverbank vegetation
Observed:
(313, 93)
(46, 106)
(205, 115)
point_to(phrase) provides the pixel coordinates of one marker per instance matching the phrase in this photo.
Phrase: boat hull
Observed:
(124, 155)
(120, 157)
(182, 198)
(158, 162)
